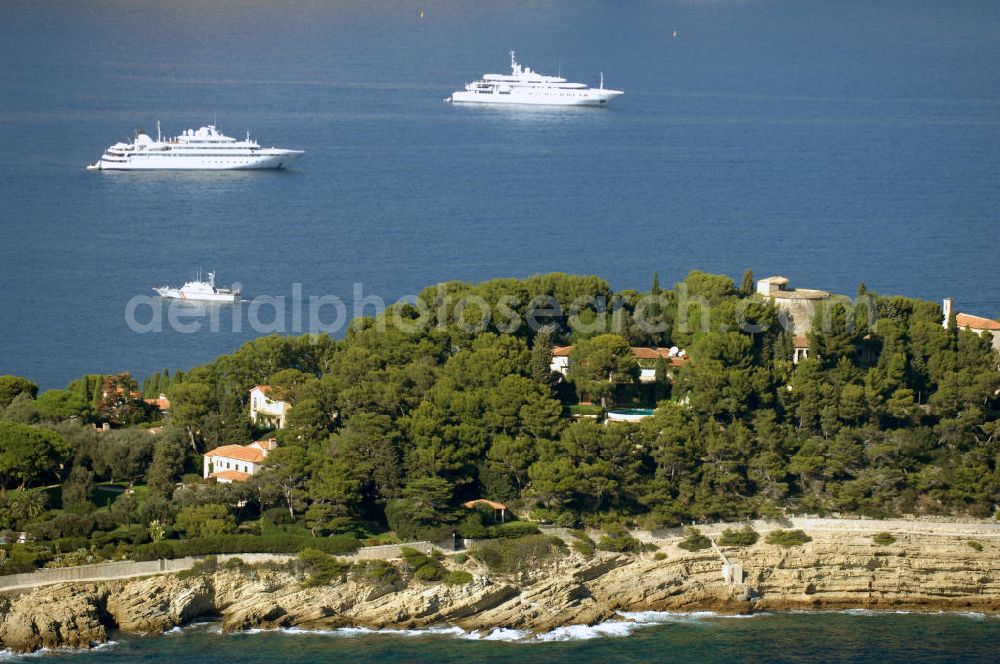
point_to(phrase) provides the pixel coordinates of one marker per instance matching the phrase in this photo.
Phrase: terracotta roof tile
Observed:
(238, 452)
(231, 475)
(638, 352)
(977, 322)
(266, 445)
(482, 501)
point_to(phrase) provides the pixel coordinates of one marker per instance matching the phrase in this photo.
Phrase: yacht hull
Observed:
(152, 162)
(177, 294)
(539, 98)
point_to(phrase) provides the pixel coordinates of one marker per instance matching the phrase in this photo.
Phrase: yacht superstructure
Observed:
(202, 149)
(524, 86)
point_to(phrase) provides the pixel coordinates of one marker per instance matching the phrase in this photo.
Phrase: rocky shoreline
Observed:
(917, 572)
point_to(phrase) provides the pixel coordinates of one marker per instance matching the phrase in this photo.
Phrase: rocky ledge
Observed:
(834, 571)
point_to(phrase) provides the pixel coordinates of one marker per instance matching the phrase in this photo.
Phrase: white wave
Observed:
(631, 621)
(207, 625)
(500, 634)
(7, 655)
(612, 628)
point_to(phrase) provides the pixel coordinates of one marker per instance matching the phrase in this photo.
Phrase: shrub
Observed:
(787, 538)
(399, 514)
(694, 540)
(883, 539)
(429, 573)
(975, 545)
(513, 530)
(207, 565)
(460, 558)
(209, 520)
(745, 536)
(67, 544)
(424, 568)
(472, 527)
(277, 516)
(659, 555)
(567, 520)
(235, 563)
(616, 538)
(321, 567)
(381, 571)
(458, 577)
(22, 558)
(337, 544)
(583, 544)
(515, 555)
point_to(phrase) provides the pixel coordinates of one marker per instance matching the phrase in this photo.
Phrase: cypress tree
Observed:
(655, 289)
(541, 357)
(96, 398)
(746, 287)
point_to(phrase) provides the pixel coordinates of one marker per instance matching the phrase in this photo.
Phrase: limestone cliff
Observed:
(835, 570)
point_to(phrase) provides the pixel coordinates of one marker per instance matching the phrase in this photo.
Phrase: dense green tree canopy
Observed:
(397, 426)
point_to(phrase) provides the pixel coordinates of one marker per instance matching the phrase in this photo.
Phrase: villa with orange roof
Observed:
(646, 357)
(236, 463)
(977, 324)
(264, 410)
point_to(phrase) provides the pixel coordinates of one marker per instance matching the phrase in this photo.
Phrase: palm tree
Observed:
(26, 505)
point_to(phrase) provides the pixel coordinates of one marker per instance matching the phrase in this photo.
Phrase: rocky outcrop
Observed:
(155, 604)
(56, 617)
(835, 570)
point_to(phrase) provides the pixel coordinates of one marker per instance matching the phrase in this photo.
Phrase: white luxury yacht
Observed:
(523, 86)
(200, 290)
(203, 149)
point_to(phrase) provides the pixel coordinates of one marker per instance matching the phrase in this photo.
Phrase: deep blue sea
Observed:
(799, 638)
(832, 142)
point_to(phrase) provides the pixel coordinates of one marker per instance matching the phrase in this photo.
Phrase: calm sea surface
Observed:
(885, 639)
(832, 142)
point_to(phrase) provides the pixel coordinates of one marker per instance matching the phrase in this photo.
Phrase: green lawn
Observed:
(584, 409)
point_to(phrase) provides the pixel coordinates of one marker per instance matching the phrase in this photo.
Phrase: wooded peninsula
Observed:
(391, 435)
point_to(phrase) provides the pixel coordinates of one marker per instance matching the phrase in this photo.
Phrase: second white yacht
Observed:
(523, 86)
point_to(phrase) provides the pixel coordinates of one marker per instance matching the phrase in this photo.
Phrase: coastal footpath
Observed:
(931, 566)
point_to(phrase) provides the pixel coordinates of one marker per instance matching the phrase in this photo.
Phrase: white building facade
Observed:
(236, 463)
(264, 410)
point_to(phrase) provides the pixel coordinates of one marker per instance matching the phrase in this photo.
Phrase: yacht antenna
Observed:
(158, 137)
(602, 80)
